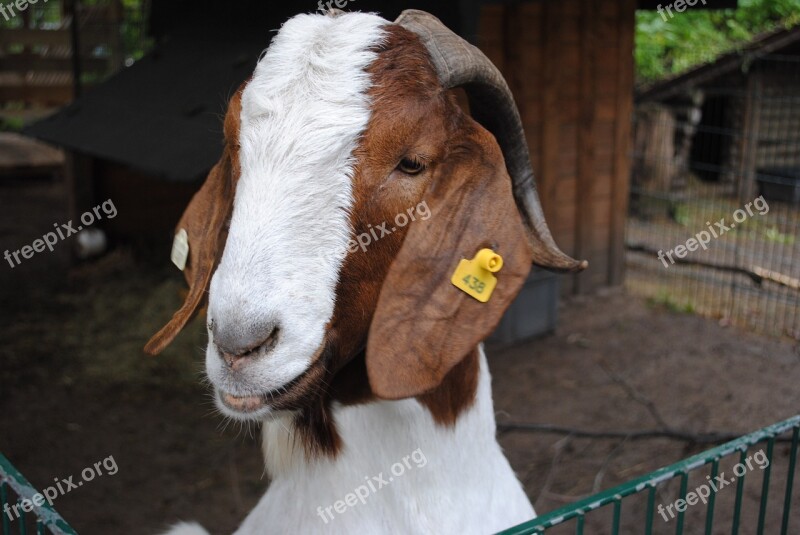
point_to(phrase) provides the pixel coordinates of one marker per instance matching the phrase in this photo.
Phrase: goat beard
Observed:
(341, 380)
(317, 429)
(335, 376)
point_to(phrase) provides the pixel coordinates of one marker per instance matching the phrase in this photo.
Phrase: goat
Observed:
(352, 359)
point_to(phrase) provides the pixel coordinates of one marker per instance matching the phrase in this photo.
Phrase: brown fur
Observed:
(456, 393)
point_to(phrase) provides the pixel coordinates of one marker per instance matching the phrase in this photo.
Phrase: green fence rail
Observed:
(14, 488)
(577, 512)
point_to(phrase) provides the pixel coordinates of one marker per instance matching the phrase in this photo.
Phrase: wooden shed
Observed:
(37, 66)
(742, 113)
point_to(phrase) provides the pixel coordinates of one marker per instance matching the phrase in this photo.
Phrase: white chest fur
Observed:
(398, 472)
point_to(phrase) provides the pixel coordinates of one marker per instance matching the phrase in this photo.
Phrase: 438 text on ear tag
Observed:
(476, 277)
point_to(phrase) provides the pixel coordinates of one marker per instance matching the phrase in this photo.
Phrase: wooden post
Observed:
(78, 171)
(73, 9)
(748, 146)
(620, 187)
(586, 181)
(547, 180)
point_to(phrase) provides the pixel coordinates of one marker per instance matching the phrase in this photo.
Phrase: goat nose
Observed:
(237, 349)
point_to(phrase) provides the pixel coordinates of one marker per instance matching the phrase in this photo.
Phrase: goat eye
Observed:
(411, 166)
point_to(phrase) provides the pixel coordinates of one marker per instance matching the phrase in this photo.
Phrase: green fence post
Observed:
(787, 501)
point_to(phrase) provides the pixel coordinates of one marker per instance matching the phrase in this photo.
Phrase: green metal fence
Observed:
(656, 489)
(39, 519)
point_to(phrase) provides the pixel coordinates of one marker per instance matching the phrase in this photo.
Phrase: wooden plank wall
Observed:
(779, 116)
(570, 67)
(36, 63)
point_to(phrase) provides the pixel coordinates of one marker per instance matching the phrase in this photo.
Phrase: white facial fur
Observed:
(302, 115)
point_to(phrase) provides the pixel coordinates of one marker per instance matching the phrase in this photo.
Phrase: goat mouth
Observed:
(293, 395)
(243, 404)
(251, 404)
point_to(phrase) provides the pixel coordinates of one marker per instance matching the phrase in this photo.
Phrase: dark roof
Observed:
(163, 114)
(736, 60)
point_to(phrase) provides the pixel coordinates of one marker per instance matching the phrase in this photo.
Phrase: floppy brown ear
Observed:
(204, 222)
(423, 325)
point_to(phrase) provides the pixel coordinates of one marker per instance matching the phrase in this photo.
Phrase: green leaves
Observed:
(668, 47)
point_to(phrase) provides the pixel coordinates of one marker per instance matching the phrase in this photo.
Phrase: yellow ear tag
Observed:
(475, 277)
(180, 249)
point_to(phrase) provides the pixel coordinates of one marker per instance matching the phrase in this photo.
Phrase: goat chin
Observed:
(186, 528)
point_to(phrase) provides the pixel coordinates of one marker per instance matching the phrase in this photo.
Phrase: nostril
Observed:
(270, 341)
(232, 355)
(263, 347)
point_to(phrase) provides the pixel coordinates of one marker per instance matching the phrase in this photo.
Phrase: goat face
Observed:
(345, 124)
(319, 164)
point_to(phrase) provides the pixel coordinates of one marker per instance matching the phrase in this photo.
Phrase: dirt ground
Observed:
(767, 239)
(75, 388)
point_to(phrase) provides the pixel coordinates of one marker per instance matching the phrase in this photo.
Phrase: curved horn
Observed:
(460, 64)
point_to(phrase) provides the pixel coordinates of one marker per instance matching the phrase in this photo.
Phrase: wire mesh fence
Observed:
(743, 486)
(715, 192)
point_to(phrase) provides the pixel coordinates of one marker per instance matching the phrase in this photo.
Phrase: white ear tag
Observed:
(180, 249)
